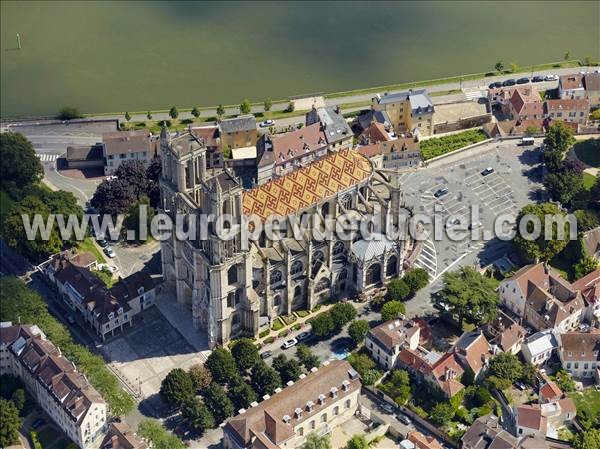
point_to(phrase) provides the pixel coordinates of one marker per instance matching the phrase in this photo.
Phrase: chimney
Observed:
(270, 427)
(287, 419)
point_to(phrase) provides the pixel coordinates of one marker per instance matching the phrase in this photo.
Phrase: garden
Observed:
(437, 146)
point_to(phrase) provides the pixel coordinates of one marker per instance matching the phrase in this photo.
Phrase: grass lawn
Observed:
(588, 151)
(436, 146)
(589, 397)
(88, 245)
(588, 181)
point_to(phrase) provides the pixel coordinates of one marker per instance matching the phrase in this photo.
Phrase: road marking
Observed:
(47, 157)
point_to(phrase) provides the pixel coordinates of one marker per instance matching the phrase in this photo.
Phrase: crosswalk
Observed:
(428, 258)
(473, 93)
(47, 157)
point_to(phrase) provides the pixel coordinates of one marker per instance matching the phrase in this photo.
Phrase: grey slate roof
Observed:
(420, 101)
(365, 119)
(241, 123)
(334, 124)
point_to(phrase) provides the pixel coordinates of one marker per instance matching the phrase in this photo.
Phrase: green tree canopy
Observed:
(195, 112)
(288, 369)
(559, 137)
(173, 112)
(268, 104)
(240, 393)
(9, 423)
(177, 388)
(264, 379)
(127, 116)
(564, 186)
(306, 357)
(397, 386)
(470, 294)
(245, 107)
(18, 398)
(357, 442)
(19, 164)
(314, 441)
(416, 279)
(362, 363)
(392, 310)
(218, 403)
(506, 366)
(245, 353)
(197, 415)
(341, 314)
(200, 376)
(322, 325)
(499, 66)
(358, 330)
(589, 439)
(151, 431)
(442, 414)
(68, 113)
(398, 290)
(221, 365)
(220, 111)
(540, 248)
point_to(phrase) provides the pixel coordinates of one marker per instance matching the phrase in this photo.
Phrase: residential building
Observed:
(579, 353)
(400, 153)
(61, 391)
(317, 402)
(473, 351)
(505, 334)
(374, 116)
(375, 133)
(421, 441)
(538, 348)
(525, 104)
(487, 433)
(544, 420)
(102, 309)
(411, 111)
(85, 156)
(568, 110)
(337, 132)
(120, 436)
(121, 146)
(571, 87)
(386, 340)
(540, 296)
(592, 89)
(234, 289)
(549, 391)
(238, 132)
(589, 288)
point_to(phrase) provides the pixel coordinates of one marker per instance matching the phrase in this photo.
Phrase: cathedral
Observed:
(234, 289)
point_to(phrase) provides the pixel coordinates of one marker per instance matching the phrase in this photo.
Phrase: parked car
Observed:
(38, 423)
(495, 85)
(551, 78)
(487, 171)
(509, 82)
(404, 419)
(265, 355)
(303, 336)
(109, 252)
(441, 306)
(103, 243)
(537, 79)
(266, 123)
(289, 343)
(523, 80)
(70, 319)
(386, 407)
(440, 192)
(520, 385)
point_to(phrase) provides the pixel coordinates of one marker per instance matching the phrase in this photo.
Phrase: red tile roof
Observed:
(530, 416)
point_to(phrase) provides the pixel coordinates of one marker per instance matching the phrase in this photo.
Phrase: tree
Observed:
(567, 55)
(197, 415)
(589, 439)
(392, 310)
(221, 365)
(532, 130)
(587, 60)
(322, 324)
(113, 197)
(14, 230)
(264, 379)
(68, 113)
(470, 294)
(586, 220)
(18, 398)
(218, 403)
(173, 112)
(585, 266)
(151, 431)
(314, 441)
(153, 173)
(497, 383)
(134, 173)
(416, 279)
(200, 376)
(564, 381)
(499, 67)
(240, 393)
(398, 386)
(306, 357)
(245, 107)
(541, 248)
(19, 164)
(564, 186)
(529, 374)
(195, 112)
(341, 314)
(553, 160)
(398, 290)
(149, 115)
(287, 369)
(559, 137)
(357, 442)
(361, 363)
(442, 414)
(506, 366)
(268, 104)
(176, 387)
(220, 111)
(134, 219)
(513, 67)
(127, 116)
(290, 107)
(245, 353)
(10, 423)
(358, 330)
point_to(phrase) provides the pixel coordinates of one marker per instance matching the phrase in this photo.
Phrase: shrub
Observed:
(437, 146)
(302, 313)
(283, 333)
(296, 327)
(186, 121)
(269, 340)
(35, 440)
(68, 113)
(277, 324)
(264, 333)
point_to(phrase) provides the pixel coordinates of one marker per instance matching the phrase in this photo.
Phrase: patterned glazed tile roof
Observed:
(306, 186)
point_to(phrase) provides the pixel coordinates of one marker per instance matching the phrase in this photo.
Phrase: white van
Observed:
(527, 141)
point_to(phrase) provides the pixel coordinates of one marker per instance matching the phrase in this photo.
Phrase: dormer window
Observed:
(309, 406)
(120, 311)
(298, 413)
(287, 419)
(345, 385)
(321, 399)
(333, 392)
(111, 316)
